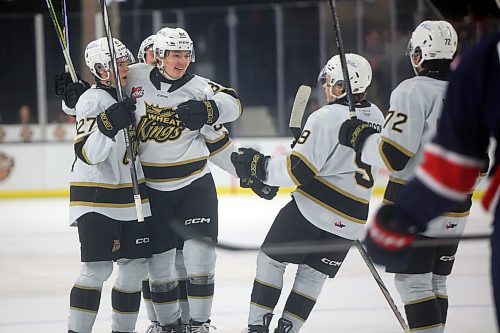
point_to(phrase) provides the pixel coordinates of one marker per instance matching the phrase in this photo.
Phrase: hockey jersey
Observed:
(100, 180)
(414, 113)
(333, 184)
(171, 155)
(470, 117)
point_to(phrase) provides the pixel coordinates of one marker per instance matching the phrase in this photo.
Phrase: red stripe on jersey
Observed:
(451, 175)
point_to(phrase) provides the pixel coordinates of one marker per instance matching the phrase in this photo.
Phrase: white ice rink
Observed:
(39, 260)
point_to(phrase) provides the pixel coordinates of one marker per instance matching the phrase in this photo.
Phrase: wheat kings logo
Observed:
(159, 124)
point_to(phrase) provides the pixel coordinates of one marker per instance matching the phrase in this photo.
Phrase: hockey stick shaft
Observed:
(119, 90)
(62, 37)
(381, 285)
(343, 61)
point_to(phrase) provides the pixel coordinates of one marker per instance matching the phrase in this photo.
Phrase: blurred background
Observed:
(263, 49)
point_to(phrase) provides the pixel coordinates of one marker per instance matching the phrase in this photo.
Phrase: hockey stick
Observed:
(298, 109)
(381, 285)
(119, 90)
(62, 36)
(343, 61)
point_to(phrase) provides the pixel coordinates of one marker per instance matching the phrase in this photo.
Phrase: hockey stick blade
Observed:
(298, 109)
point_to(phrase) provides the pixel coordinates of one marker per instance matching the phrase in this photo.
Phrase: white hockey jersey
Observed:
(334, 186)
(415, 107)
(100, 179)
(172, 156)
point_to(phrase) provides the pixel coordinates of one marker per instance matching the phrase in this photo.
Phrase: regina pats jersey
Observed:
(333, 184)
(100, 179)
(172, 156)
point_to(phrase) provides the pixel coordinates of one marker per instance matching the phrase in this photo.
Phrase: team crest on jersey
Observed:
(159, 124)
(6, 165)
(450, 225)
(339, 224)
(137, 92)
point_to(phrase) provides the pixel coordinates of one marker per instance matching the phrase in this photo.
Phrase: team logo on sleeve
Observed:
(450, 225)
(159, 124)
(137, 92)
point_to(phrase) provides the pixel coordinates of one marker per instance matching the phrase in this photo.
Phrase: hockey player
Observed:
(146, 54)
(451, 162)
(101, 198)
(330, 202)
(415, 109)
(179, 123)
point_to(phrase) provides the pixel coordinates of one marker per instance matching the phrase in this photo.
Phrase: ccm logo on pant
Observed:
(142, 240)
(330, 262)
(197, 220)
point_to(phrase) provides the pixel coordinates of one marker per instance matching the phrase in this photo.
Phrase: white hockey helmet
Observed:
(97, 56)
(145, 45)
(172, 39)
(433, 40)
(360, 73)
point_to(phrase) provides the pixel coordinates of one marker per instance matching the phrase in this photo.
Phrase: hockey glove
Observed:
(61, 81)
(354, 132)
(262, 190)
(117, 116)
(73, 91)
(390, 236)
(249, 164)
(194, 114)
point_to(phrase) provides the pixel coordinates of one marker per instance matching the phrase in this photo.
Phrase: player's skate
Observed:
(199, 327)
(175, 327)
(154, 327)
(264, 328)
(284, 326)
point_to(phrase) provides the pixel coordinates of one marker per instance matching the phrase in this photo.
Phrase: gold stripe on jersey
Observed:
(101, 196)
(335, 202)
(301, 171)
(390, 161)
(167, 172)
(231, 92)
(289, 170)
(79, 147)
(106, 205)
(215, 146)
(395, 185)
(104, 185)
(337, 189)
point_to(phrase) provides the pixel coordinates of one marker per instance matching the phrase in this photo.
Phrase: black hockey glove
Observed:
(264, 191)
(354, 132)
(73, 91)
(389, 237)
(249, 164)
(61, 81)
(116, 117)
(194, 114)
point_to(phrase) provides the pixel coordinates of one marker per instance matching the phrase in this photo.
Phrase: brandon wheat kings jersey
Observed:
(100, 179)
(171, 155)
(334, 186)
(415, 108)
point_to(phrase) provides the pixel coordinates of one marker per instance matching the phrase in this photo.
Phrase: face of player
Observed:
(332, 92)
(149, 57)
(122, 72)
(176, 63)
